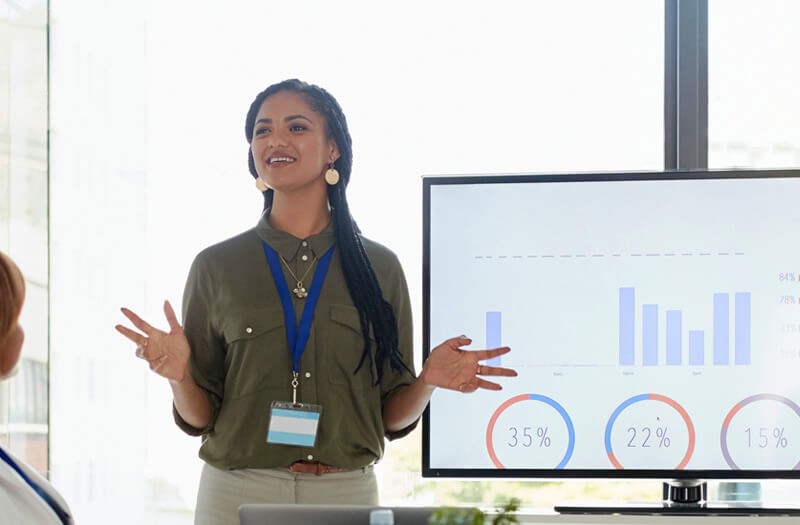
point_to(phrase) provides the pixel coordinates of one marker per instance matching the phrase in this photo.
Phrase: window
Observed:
(148, 167)
(754, 111)
(24, 219)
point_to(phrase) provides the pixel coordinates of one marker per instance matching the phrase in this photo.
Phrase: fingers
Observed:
(155, 362)
(144, 326)
(172, 319)
(488, 385)
(484, 370)
(140, 340)
(456, 342)
(478, 383)
(482, 355)
(137, 321)
(155, 353)
(134, 337)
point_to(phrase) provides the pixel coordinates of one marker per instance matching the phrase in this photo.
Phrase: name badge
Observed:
(293, 423)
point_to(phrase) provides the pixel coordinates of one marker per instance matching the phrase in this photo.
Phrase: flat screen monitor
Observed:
(653, 319)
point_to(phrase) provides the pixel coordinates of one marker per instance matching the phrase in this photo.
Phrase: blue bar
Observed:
(696, 347)
(627, 329)
(722, 322)
(649, 334)
(673, 337)
(741, 328)
(494, 325)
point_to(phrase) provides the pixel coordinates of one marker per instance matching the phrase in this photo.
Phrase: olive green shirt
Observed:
(240, 355)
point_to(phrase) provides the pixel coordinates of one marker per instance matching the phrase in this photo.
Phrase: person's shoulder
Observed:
(379, 254)
(20, 500)
(231, 248)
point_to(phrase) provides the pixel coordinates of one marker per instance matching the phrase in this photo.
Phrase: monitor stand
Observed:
(681, 497)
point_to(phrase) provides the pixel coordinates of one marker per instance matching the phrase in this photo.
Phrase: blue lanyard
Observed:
(60, 512)
(297, 335)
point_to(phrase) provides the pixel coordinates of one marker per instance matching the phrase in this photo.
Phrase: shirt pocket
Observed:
(344, 346)
(257, 353)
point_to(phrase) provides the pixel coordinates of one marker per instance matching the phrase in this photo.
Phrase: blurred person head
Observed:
(12, 295)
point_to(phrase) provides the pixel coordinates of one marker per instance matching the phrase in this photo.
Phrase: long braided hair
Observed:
(374, 311)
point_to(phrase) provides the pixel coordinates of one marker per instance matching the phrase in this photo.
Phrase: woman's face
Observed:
(290, 144)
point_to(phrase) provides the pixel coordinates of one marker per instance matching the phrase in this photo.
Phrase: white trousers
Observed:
(222, 491)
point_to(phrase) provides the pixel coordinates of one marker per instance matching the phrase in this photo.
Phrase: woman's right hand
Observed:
(167, 353)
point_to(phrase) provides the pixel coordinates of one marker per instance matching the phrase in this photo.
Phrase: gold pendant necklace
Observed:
(299, 290)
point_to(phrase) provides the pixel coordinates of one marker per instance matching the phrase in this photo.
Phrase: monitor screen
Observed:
(653, 319)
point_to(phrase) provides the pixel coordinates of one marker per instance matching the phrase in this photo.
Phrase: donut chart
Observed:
(776, 433)
(684, 416)
(544, 439)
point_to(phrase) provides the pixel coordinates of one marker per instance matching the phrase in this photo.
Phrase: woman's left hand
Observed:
(448, 366)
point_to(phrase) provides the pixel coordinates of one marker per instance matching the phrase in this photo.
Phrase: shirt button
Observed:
(248, 330)
(310, 457)
(304, 257)
(308, 374)
(304, 243)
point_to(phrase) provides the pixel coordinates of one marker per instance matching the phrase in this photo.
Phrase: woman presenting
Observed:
(294, 360)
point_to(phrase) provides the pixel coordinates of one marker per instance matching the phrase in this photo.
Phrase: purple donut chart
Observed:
(744, 433)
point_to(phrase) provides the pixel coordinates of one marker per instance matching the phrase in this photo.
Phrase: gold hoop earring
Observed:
(332, 176)
(261, 185)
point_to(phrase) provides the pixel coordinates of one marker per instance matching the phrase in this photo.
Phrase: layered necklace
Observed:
(299, 290)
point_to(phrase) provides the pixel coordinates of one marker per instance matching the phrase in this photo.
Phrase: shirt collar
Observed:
(287, 245)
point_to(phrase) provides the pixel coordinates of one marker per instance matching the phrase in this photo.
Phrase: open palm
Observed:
(167, 353)
(450, 366)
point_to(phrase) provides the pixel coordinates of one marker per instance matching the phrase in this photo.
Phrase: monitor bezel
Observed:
(429, 181)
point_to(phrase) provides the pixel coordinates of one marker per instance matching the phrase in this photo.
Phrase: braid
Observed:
(375, 313)
(373, 309)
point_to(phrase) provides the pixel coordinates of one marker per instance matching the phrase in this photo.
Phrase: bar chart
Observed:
(727, 342)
